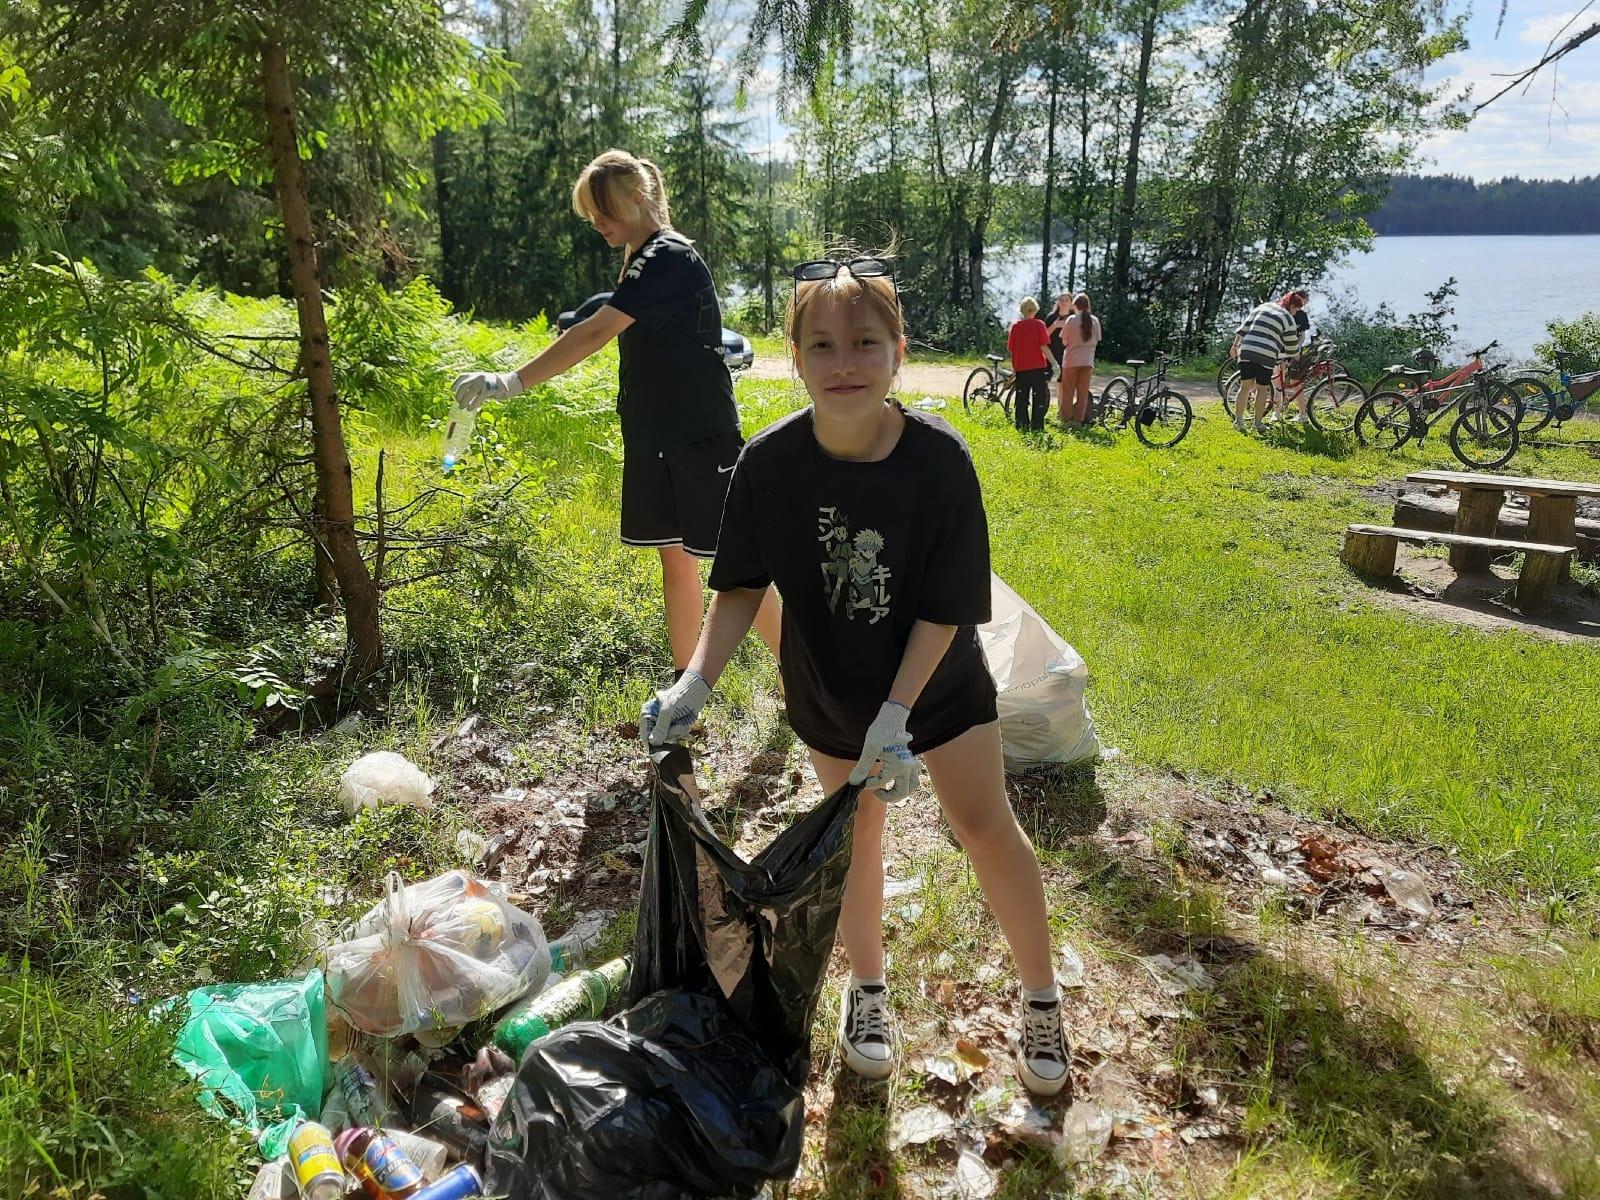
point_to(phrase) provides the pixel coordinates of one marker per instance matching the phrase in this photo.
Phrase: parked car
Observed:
(737, 351)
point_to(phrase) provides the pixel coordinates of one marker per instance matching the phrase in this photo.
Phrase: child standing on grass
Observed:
(869, 520)
(1029, 344)
(680, 428)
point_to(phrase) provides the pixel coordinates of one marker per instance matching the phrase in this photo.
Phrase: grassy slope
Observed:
(1202, 585)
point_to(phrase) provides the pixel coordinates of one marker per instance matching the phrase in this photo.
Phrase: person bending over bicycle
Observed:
(1263, 338)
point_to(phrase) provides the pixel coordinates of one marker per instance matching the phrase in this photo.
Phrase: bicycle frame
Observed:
(1320, 368)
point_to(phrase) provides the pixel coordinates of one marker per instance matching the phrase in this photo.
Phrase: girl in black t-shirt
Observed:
(680, 428)
(869, 520)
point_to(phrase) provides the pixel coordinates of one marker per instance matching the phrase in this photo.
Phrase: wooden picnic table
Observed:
(1552, 509)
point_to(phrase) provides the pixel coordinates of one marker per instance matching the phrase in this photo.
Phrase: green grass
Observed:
(157, 841)
(1223, 637)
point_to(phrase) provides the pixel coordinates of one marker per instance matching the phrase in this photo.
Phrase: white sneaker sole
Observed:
(1039, 1086)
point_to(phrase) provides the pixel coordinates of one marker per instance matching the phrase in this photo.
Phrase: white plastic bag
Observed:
(435, 956)
(1040, 680)
(384, 777)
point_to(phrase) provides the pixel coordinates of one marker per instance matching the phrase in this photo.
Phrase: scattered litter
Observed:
(987, 973)
(384, 777)
(1408, 890)
(894, 888)
(1273, 877)
(1070, 974)
(1114, 1088)
(510, 796)
(347, 726)
(929, 404)
(918, 1126)
(1179, 975)
(471, 846)
(1202, 1129)
(1085, 1133)
(958, 1066)
(940, 991)
(1025, 1121)
(973, 1179)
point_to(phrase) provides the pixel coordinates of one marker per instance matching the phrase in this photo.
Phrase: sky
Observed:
(1522, 134)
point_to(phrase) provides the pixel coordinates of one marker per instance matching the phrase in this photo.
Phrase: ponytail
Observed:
(614, 182)
(1085, 316)
(657, 197)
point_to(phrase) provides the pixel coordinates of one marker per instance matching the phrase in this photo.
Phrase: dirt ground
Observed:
(1187, 901)
(932, 379)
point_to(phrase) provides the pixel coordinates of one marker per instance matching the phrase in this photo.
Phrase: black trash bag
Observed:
(695, 1091)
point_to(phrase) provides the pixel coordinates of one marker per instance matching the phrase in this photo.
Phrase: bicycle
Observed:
(1484, 433)
(1547, 404)
(1160, 416)
(1335, 397)
(994, 384)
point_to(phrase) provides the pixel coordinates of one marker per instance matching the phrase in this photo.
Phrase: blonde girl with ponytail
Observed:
(680, 427)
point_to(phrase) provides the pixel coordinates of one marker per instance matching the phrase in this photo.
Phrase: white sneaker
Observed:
(866, 1033)
(1238, 423)
(1300, 419)
(1043, 1061)
(1259, 427)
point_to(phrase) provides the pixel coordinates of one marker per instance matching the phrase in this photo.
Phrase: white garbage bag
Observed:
(1041, 682)
(384, 777)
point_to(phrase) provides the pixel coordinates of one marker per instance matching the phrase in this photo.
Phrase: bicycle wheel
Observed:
(1383, 421)
(1485, 436)
(1333, 404)
(1403, 384)
(979, 388)
(1008, 392)
(1163, 419)
(1536, 403)
(1228, 366)
(1112, 402)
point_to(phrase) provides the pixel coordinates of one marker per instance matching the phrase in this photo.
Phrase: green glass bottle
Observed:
(580, 997)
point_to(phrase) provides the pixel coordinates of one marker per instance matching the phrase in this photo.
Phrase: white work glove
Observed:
(672, 712)
(889, 743)
(473, 388)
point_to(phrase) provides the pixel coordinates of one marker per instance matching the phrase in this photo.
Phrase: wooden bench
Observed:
(1370, 550)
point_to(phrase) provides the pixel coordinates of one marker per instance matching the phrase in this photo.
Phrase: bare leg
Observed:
(969, 778)
(1080, 398)
(861, 917)
(1247, 390)
(1263, 394)
(769, 621)
(685, 601)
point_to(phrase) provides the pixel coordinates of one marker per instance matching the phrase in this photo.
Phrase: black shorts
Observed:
(674, 497)
(1254, 372)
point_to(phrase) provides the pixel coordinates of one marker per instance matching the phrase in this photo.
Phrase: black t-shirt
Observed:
(675, 388)
(860, 551)
(1057, 324)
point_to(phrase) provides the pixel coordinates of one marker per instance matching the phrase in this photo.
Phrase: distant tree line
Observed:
(1436, 204)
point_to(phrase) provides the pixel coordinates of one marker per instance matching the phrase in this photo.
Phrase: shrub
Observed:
(1579, 339)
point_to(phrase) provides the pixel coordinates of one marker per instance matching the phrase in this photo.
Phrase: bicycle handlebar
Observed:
(1486, 349)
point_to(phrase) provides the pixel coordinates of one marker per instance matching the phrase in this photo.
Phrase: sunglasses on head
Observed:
(826, 268)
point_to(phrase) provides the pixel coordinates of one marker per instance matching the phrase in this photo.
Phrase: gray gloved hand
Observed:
(672, 712)
(889, 743)
(474, 387)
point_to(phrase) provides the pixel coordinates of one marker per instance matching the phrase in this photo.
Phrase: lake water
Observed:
(1507, 287)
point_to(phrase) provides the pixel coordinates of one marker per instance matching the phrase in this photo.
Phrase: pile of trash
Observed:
(443, 1048)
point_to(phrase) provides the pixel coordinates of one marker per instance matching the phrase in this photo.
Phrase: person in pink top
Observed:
(1079, 336)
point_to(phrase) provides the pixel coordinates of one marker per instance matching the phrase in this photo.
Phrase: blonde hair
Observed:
(615, 183)
(1029, 306)
(877, 292)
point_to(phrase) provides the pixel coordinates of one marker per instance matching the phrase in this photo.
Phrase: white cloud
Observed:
(1541, 30)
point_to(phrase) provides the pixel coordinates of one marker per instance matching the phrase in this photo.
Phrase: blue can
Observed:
(459, 1182)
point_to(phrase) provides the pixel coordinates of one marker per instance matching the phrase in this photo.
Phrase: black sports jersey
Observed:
(674, 387)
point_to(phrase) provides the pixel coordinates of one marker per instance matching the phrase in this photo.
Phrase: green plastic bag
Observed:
(260, 1052)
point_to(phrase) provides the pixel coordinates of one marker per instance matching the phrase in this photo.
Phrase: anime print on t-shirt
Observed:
(851, 572)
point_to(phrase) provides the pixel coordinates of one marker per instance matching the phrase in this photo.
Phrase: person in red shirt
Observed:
(1029, 344)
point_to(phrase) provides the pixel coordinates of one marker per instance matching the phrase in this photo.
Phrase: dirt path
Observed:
(939, 379)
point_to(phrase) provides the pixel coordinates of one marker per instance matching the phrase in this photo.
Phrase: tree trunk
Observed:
(336, 521)
(449, 264)
(1079, 232)
(985, 200)
(1130, 177)
(1049, 187)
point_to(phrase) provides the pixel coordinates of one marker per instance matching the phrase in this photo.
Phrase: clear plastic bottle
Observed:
(457, 435)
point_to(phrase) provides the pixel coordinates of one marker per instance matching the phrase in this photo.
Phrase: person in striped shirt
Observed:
(1266, 335)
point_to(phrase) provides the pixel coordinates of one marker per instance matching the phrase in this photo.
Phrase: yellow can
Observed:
(316, 1166)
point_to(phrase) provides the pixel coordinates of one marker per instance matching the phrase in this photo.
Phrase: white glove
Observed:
(672, 712)
(889, 743)
(473, 388)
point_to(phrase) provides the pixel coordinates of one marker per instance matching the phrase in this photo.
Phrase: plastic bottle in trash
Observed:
(440, 1114)
(457, 435)
(428, 1154)
(579, 997)
(316, 1166)
(366, 1100)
